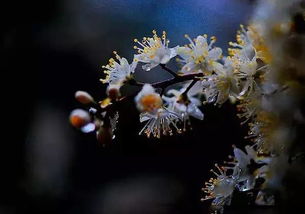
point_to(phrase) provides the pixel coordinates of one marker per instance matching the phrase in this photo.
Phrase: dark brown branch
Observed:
(162, 84)
(163, 66)
(190, 86)
(178, 79)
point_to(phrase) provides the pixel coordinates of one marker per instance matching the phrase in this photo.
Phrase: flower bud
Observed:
(113, 92)
(104, 136)
(79, 118)
(148, 100)
(83, 97)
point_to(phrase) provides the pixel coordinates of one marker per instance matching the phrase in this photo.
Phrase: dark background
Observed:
(53, 48)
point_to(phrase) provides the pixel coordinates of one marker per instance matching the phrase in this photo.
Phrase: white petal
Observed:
(173, 51)
(144, 117)
(184, 52)
(133, 66)
(196, 89)
(202, 41)
(173, 92)
(188, 68)
(241, 157)
(251, 152)
(165, 59)
(215, 53)
(195, 112)
(219, 68)
(195, 101)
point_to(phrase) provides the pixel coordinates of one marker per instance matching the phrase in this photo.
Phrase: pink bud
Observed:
(104, 136)
(79, 118)
(83, 97)
(113, 92)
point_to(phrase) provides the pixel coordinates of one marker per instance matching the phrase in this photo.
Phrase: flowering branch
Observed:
(253, 75)
(166, 83)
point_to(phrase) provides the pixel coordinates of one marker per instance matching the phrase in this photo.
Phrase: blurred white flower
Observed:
(276, 171)
(220, 188)
(249, 48)
(147, 100)
(222, 85)
(249, 106)
(118, 72)
(255, 132)
(241, 172)
(264, 199)
(154, 51)
(247, 70)
(199, 56)
(249, 39)
(244, 41)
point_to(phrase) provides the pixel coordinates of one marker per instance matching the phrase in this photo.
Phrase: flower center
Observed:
(151, 102)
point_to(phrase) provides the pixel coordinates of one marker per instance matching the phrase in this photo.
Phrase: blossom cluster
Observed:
(261, 74)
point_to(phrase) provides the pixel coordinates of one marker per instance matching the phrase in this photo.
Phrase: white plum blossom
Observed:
(264, 199)
(245, 55)
(241, 176)
(199, 55)
(184, 104)
(249, 106)
(245, 66)
(118, 72)
(154, 51)
(255, 133)
(249, 39)
(241, 171)
(245, 177)
(161, 122)
(276, 171)
(220, 189)
(222, 85)
(245, 40)
(247, 69)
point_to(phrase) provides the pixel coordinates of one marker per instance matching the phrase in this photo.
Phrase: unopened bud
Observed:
(83, 97)
(113, 92)
(98, 123)
(79, 118)
(104, 136)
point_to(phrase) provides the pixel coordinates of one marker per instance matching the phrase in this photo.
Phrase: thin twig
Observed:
(163, 66)
(190, 86)
(177, 79)
(162, 84)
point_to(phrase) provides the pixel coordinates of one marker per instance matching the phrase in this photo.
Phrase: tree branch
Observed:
(162, 84)
(178, 79)
(163, 66)
(190, 86)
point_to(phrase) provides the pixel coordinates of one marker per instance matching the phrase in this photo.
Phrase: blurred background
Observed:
(51, 49)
